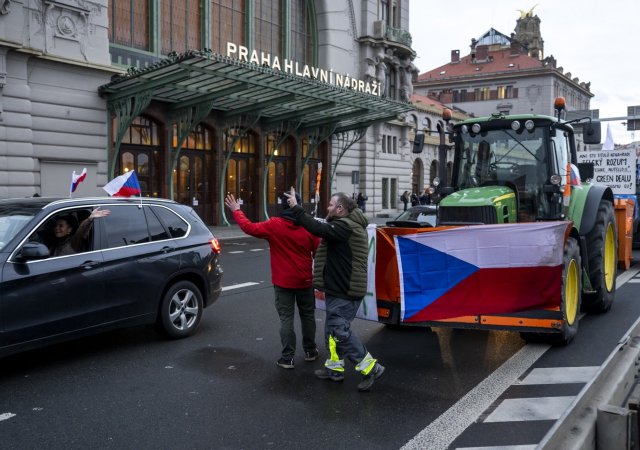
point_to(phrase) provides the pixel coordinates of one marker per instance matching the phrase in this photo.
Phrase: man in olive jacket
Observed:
(340, 271)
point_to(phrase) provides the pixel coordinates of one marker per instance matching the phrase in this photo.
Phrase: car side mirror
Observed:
(592, 132)
(33, 251)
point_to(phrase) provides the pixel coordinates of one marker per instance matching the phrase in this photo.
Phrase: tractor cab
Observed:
(512, 168)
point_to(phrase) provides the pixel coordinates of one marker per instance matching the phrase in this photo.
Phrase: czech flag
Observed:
(575, 176)
(124, 186)
(77, 179)
(481, 269)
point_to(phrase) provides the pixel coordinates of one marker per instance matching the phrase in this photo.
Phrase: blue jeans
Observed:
(286, 301)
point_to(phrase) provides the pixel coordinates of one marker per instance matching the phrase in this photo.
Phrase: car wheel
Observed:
(181, 310)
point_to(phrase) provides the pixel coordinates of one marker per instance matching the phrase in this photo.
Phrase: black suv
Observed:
(147, 261)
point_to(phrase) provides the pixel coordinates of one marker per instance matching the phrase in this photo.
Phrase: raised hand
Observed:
(231, 202)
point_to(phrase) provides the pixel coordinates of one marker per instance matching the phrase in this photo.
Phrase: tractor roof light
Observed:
(559, 103)
(529, 125)
(476, 128)
(515, 125)
(446, 114)
(465, 129)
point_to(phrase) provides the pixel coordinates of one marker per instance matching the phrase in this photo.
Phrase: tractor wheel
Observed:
(602, 245)
(571, 293)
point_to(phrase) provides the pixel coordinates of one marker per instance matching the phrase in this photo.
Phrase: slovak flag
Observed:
(480, 269)
(124, 186)
(77, 179)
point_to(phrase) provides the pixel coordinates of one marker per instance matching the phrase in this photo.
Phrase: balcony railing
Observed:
(399, 35)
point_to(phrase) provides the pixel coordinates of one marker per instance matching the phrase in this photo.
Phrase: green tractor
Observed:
(523, 168)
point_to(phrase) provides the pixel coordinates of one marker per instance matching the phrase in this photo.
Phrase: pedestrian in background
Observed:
(292, 250)
(340, 271)
(405, 199)
(414, 199)
(425, 197)
(362, 201)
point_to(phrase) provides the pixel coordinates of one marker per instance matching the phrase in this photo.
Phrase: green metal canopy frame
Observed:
(197, 83)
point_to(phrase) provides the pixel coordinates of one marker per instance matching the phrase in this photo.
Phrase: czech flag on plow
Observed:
(124, 186)
(481, 269)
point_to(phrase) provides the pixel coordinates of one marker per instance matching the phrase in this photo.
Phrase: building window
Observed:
(393, 193)
(180, 25)
(482, 94)
(385, 193)
(392, 84)
(268, 26)
(395, 145)
(384, 11)
(509, 93)
(502, 92)
(426, 123)
(129, 23)
(301, 39)
(227, 24)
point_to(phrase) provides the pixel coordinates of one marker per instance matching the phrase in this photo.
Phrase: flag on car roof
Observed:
(124, 186)
(481, 269)
(77, 179)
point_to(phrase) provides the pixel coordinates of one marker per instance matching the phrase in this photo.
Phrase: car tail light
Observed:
(215, 245)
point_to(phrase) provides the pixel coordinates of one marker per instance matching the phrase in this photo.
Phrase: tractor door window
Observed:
(561, 149)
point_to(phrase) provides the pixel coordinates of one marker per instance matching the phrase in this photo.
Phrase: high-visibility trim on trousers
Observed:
(367, 364)
(334, 362)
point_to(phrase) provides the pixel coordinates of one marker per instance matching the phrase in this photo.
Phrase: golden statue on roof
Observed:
(525, 14)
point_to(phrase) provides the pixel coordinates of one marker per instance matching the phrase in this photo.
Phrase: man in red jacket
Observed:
(292, 251)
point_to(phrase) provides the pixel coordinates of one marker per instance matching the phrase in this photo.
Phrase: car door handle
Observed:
(90, 264)
(167, 249)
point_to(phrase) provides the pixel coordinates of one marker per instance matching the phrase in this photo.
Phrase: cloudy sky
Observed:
(597, 41)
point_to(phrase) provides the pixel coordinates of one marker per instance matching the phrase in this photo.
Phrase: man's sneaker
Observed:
(311, 355)
(285, 363)
(326, 374)
(368, 380)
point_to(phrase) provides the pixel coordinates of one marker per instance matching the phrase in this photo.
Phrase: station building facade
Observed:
(207, 97)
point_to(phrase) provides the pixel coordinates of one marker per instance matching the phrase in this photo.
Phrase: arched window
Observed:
(433, 172)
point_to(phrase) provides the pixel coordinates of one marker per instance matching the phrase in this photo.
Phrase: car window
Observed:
(59, 232)
(175, 224)
(126, 225)
(10, 224)
(156, 229)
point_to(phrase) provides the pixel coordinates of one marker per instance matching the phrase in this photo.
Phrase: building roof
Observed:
(497, 62)
(429, 104)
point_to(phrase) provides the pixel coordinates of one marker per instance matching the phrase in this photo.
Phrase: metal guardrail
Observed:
(617, 376)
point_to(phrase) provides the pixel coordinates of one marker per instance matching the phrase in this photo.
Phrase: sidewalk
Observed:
(231, 232)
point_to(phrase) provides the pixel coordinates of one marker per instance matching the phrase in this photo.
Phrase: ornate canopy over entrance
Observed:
(196, 84)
